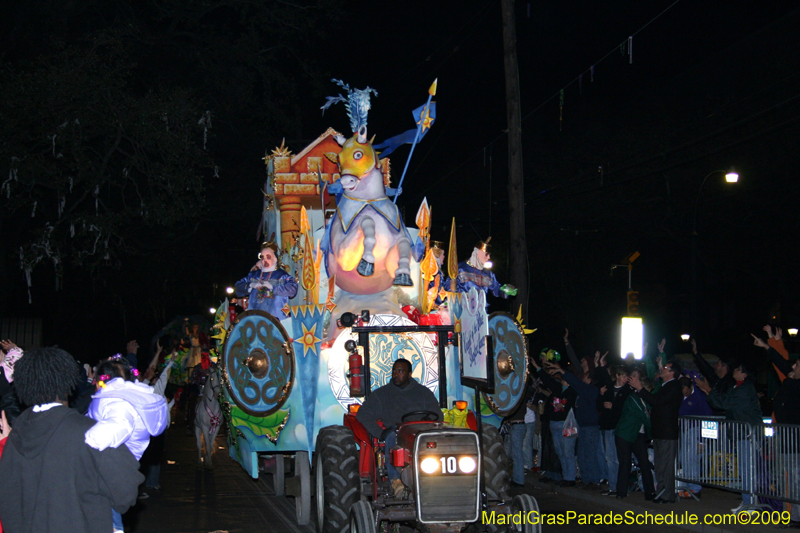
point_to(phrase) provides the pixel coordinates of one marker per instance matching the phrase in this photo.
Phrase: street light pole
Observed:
(730, 177)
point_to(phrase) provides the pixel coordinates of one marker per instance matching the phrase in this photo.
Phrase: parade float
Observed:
(358, 273)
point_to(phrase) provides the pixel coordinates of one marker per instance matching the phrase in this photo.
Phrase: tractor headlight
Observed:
(467, 464)
(429, 465)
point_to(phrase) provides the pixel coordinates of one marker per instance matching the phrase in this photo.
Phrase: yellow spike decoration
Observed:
(304, 225)
(309, 277)
(429, 267)
(525, 330)
(452, 257)
(423, 220)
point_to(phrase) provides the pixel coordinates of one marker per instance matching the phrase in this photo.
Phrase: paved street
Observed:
(201, 501)
(227, 499)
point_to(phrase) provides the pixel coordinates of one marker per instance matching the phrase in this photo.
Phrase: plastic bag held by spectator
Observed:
(570, 425)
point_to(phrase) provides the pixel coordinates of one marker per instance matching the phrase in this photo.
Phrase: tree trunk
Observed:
(518, 253)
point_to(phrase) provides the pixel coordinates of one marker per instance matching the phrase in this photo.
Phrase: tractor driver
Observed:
(402, 395)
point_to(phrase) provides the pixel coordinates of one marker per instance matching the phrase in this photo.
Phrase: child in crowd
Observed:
(127, 412)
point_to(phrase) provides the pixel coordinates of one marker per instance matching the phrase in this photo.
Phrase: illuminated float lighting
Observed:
(229, 290)
(792, 332)
(685, 337)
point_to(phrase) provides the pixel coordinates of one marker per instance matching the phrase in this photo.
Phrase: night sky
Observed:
(712, 84)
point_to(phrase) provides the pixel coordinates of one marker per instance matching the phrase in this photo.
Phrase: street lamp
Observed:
(792, 332)
(731, 176)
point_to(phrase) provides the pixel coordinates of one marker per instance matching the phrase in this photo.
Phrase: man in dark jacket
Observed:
(52, 480)
(389, 404)
(740, 404)
(666, 403)
(589, 423)
(561, 401)
(610, 405)
(719, 376)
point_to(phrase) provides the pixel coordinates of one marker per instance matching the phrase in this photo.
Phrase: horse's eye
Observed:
(358, 155)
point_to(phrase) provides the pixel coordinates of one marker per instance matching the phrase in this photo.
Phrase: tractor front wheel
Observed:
(336, 476)
(362, 520)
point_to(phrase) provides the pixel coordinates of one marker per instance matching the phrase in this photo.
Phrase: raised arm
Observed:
(575, 363)
(702, 365)
(781, 364)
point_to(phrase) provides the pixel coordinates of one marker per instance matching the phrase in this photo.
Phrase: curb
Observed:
(625, 505)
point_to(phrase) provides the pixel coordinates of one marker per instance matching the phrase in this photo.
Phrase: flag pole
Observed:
(431, 93)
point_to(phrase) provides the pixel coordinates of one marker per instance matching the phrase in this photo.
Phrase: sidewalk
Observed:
(712, 502)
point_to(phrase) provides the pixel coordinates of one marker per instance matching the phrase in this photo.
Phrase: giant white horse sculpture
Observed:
(367, 245)
(208, 417)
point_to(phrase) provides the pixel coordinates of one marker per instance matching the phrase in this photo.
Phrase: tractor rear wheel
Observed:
(337, 483)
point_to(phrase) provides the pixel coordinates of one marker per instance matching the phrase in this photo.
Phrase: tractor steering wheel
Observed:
(427, 416)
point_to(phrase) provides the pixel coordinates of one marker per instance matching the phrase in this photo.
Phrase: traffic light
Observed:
(633, 303)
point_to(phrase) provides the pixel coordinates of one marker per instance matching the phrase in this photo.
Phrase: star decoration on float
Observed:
(309, 340)
(282, 150)
(426, 120)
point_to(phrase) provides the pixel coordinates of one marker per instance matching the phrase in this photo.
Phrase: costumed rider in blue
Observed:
(475, 273)
(269, 288)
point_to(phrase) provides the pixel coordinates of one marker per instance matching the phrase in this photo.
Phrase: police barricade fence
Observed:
(777, 470)
(760, 460)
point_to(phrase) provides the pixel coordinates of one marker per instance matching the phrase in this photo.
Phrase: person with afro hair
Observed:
(53, 481)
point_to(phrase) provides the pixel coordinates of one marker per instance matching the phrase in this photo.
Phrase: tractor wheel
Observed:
(495, 464)
(337, 483)
(362, 520)
(523, 505)
(495, 469)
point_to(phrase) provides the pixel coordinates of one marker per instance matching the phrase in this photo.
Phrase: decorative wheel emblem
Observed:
(259, 361)
(510, 368)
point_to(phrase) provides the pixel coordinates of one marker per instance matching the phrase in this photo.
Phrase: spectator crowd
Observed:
(616, 428)
(78, 444)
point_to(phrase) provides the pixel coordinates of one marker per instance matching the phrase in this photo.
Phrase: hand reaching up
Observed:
(757, 341)
(5, 427)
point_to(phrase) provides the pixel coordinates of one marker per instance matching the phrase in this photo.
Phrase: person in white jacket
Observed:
(127, 412)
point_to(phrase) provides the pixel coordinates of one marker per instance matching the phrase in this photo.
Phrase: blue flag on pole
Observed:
(390, 145)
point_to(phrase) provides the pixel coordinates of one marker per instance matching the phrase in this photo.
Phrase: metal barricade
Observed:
(714, 452)
(777, 476)
(760, 460)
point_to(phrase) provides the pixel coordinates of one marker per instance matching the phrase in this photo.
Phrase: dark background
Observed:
(713, 84)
